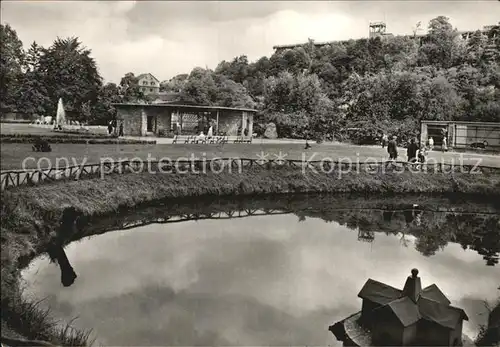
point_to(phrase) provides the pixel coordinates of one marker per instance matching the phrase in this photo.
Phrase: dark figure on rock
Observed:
(41, 145)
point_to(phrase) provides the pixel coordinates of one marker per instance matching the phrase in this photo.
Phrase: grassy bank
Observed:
(31, 216)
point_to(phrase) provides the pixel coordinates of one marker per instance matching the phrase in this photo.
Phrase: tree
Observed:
(69, 73)
(441, 100)
(104, 111)
(237, 70)
(444, 48)
(32, 57)
(130, 90)
(33, 95)
(476, 46)
(204, 87)
(400, 53)
(11, 62)
(231, 93)
(175, 84)
(297, 99)
(200, 88)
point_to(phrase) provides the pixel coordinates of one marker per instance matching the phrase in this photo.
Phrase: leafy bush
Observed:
(291, 126)
(161, 132)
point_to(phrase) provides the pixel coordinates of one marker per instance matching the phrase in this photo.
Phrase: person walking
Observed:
(421, 154)
(120, 131)
(444, 145)
(392, 149)
(411, 151)
(110, 127)
(384, 140)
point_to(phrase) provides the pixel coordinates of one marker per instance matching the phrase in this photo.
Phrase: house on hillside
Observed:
(148, 84)
(409, 317)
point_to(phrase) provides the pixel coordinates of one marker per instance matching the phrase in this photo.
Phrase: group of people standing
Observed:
(415, 152)
(444, 143)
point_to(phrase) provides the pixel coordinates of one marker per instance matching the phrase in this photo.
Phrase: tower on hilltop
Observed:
(377, 29)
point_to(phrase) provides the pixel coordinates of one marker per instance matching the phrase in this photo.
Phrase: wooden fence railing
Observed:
(14, 178)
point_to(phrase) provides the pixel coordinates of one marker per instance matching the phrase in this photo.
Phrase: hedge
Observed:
(56, 136)
(74, 140)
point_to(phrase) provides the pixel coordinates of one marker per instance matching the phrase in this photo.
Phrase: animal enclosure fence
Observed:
(15, 178)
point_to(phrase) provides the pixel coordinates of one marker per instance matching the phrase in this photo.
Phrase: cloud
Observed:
(172, 37)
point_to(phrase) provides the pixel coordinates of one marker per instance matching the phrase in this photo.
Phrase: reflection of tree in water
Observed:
(481, 235)
(429, 243)
(56, 249)
(433, 230)
(68, 275)
(432, 221)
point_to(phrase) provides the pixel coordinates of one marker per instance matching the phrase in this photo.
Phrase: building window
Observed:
(152, 83)
(150, 89)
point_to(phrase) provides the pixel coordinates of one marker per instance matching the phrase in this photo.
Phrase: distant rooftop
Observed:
(146, 74)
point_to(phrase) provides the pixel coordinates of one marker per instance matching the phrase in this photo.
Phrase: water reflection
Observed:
(278, 278)
(57, 254)
(434, 222)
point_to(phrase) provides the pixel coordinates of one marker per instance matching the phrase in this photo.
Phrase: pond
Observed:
(274, 273)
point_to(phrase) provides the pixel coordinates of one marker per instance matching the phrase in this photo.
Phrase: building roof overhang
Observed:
(185, 107)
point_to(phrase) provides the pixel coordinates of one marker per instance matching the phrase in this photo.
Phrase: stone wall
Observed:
(132, 118)
(162, 118)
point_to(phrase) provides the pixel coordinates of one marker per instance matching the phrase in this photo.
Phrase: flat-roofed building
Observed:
(153, 119)
(462, 135)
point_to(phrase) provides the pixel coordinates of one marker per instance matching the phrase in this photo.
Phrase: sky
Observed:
(167, 38)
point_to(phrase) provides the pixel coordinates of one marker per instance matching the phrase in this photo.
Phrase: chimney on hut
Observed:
(412, 287)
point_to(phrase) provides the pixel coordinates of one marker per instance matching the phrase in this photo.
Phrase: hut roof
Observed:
(406, 310)
(431, 305)
(432, 292)
(442, 314)
(379, 292)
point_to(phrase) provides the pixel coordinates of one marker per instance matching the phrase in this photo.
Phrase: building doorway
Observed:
(436, 132)
(150, 126)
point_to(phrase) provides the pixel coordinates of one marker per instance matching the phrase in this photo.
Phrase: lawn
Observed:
(13, 154)
(44, 130)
